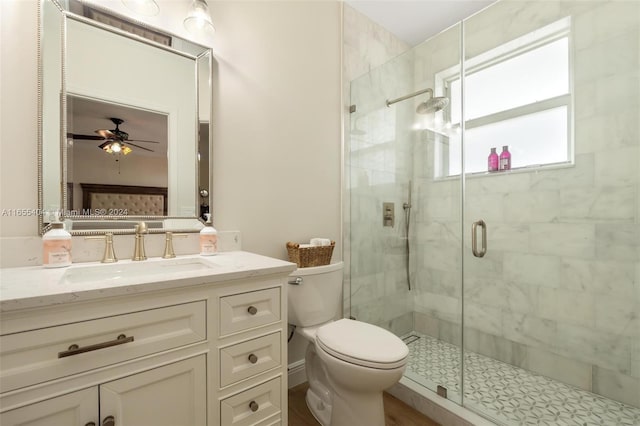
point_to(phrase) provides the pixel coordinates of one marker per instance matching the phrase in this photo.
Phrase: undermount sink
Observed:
(115, 272)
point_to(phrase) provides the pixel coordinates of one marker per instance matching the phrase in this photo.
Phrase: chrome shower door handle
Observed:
(474, 239)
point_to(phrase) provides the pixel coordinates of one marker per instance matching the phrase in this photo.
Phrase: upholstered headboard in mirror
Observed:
(128, 200)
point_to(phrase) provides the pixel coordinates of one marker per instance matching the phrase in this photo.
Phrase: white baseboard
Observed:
(297, 373)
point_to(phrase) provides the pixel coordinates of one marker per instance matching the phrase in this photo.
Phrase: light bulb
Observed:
(115, 147)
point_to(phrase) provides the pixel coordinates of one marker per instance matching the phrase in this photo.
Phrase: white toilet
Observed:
(348, 363)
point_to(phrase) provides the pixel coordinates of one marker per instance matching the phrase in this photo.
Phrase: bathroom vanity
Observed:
(187, 341)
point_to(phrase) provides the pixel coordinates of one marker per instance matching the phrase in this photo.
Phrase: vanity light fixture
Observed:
(115, 147)
(142, 7)
(198, 20)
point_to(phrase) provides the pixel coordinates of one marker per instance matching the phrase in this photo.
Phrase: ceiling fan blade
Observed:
(85, 137)
(141, 140)
(138, 146)
(106, 134)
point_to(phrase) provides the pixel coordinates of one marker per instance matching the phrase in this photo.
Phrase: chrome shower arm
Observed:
(420, 92)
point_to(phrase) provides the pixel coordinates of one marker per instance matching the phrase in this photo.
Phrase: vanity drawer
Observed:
(248, 310)
(251, 406)
(36, 356)
(246, 359)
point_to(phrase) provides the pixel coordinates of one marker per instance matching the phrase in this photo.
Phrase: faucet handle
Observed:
(168, 244)
(109, 255)
(141, 228)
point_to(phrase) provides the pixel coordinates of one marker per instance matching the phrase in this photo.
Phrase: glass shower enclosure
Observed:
(515, 281)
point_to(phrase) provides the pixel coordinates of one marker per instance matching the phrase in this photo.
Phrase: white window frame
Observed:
(540, 37)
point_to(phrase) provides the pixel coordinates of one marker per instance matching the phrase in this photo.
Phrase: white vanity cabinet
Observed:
(174, 394)
(65, 410)
(209, 350)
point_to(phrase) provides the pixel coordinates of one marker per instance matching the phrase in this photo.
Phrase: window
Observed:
(518, 95)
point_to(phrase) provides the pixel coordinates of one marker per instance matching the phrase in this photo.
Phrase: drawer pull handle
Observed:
(254, 406)
(90, 424)
(295, 281)
(75, 349)
(109, 421)
(252, 310)
(253, 359)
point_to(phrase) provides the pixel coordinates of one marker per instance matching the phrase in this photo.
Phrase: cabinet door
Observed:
(73, 409)
(173, 395)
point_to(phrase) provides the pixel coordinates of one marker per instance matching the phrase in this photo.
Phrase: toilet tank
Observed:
(318, 297)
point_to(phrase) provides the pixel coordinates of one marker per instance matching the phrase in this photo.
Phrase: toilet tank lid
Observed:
(313, 270)
(358, 340)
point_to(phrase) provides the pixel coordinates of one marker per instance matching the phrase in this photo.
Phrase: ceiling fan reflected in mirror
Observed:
(116, 141)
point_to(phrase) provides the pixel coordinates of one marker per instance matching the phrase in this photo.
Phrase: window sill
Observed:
(526, 169)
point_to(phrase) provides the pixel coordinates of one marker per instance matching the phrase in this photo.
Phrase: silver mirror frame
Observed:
(204, 54)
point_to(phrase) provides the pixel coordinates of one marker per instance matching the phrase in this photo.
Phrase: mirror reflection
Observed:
(114, 149)
(125, 122)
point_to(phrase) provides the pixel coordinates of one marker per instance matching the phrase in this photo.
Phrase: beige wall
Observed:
(277, 149)
(18, 116)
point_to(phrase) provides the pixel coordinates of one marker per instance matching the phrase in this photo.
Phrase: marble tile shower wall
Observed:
(380, 169)
(436, 237)
(559, 290)
(378, 160)
(366, 46)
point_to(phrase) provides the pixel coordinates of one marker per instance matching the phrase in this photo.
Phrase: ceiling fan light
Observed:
(116, 147)
(107, 148)
(142, 7)
(198, 20)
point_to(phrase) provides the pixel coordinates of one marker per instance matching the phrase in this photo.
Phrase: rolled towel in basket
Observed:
(320, 242)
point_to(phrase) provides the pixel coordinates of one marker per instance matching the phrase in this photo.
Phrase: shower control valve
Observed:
(388, 214)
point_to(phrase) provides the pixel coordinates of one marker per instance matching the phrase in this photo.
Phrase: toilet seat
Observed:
(362, 344)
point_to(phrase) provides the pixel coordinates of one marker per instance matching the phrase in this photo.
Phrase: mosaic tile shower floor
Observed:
(508, 394)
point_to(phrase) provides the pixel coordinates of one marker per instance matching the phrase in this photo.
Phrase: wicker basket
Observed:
(306, 257)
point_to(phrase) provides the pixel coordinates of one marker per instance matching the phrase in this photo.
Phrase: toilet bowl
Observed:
(348, 363)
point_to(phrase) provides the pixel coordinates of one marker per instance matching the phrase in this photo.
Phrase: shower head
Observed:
(433, 105)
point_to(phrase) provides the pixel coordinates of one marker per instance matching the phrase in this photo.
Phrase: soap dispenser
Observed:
(56, 245)
(208, 238)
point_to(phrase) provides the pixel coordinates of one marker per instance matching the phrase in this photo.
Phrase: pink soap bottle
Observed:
(493, 161)
(505, 158)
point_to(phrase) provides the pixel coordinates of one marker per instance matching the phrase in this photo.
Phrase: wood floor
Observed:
(396, 412)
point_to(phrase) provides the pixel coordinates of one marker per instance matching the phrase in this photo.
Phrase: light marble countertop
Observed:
(35, 286)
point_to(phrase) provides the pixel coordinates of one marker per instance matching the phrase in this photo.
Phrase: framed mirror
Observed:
(124, 124)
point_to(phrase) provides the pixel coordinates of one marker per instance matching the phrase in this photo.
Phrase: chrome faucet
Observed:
(138, 250)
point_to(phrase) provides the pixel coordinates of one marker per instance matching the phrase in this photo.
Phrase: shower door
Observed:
(517, 290)
(551, 308)
(403, 224)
